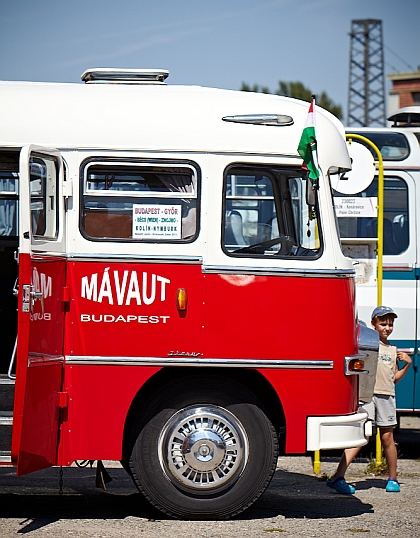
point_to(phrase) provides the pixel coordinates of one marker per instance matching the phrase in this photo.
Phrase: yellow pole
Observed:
(380, 249)
(317, 461)
(380, 208)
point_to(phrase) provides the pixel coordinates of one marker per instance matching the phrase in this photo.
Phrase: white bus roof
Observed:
(159, 117)
(408, 116)
(399, 146)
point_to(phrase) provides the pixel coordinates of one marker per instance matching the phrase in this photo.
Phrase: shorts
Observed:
(382, 410)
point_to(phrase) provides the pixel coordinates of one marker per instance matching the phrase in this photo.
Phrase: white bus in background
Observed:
(400, 149)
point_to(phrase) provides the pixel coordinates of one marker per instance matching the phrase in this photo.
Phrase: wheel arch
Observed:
(252, 380)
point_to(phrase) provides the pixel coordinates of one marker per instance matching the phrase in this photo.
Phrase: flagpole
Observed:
(312, 144)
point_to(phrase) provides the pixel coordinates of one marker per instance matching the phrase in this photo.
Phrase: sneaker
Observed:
(392, 485)
(341, 486)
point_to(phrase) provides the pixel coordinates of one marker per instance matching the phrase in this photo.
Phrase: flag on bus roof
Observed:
(307, 144)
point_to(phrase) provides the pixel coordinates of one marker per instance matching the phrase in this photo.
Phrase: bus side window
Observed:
(9, 181)
(131, 201)
(396, 216)
(43, 193)
(265, 213)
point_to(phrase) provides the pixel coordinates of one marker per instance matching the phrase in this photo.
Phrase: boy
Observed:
(382, 407)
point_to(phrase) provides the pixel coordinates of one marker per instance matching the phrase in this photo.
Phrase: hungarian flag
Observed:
(307, 144)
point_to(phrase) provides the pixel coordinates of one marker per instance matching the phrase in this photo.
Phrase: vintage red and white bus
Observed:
(184, 305)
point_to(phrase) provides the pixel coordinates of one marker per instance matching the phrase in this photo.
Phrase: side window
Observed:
(44, 193)
(396, 217)
(393, 146)
(9, 194)
(139, 202)
(266, 213)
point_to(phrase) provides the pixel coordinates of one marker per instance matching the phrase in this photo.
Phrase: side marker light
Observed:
(181, 299)
(357, 365)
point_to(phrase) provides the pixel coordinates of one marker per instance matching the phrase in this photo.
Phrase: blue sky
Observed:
(218, 43)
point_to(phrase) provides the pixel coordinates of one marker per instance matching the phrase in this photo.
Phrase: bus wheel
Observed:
(203, 453)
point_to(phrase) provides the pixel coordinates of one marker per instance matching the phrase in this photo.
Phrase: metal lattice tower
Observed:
(366, 106)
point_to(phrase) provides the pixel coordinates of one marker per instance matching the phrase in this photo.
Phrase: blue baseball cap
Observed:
(383, 311)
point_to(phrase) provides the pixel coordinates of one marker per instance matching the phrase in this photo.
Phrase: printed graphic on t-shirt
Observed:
(385, 358)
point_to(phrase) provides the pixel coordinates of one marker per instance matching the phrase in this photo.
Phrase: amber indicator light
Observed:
(357, 365)
(181, 299)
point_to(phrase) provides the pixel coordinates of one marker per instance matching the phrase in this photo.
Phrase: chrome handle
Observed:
(37, 295)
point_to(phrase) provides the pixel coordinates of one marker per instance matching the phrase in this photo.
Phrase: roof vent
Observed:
(408, 116)
(124, 76)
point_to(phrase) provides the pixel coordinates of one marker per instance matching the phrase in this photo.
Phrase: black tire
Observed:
(203, 449)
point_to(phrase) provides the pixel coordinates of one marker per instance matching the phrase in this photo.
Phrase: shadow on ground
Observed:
(35, 500)
(294, 495)
(37, 511)
(291, 495)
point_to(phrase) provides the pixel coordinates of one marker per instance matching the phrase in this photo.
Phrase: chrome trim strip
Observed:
(401, 168)
(321, 273)
(6, 418)
(174, 152)
(408, 350)
(38, 358)
(406, 267)
(7, 381)
(5, 457)
(42, 254)
(194, 361)
(136, 258)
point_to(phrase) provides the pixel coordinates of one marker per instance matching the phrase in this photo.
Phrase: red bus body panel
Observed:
(39, 365)
(228, 317)
(130, 309)
(99, 400)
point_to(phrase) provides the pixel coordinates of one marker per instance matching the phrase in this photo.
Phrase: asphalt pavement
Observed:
(297, 502)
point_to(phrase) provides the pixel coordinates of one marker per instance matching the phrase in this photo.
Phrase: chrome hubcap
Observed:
(203, 448)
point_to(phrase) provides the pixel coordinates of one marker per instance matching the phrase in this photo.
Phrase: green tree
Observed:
(298, 91)
(255, 88)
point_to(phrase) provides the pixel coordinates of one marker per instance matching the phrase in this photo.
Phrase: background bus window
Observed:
(393, 146)
(266, 214)
(140, 202)
(9, 242)
(9, 192)
(396, 217)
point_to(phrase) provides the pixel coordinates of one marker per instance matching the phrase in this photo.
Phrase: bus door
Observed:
(41, 310)
(358, 229)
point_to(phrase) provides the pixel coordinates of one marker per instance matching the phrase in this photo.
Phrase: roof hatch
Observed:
(407, 117)
(124, 76)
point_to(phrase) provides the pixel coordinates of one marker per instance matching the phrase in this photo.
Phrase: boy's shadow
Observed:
(295, 495)
(370, 483)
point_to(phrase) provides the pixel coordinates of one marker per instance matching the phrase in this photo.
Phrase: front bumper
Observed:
(336, 432)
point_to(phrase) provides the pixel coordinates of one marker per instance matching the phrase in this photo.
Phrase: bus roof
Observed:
(399, 145)
(408, 116)
(159, 117)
